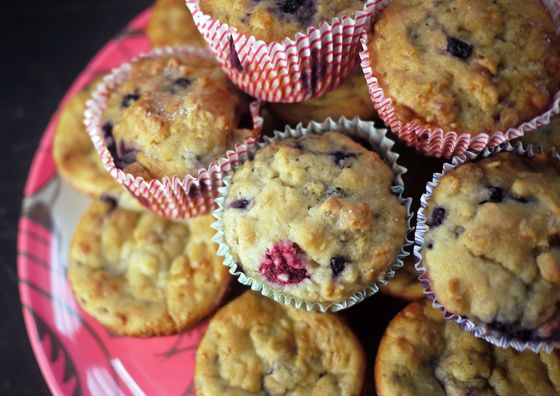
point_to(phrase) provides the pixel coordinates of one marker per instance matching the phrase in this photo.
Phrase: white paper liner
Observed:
(437, 142)
(382, 145)
(480, 330)
(296, 69)
(168, 197)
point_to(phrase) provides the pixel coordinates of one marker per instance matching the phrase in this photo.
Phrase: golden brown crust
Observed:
(254, 346)
(141, 275)
(405, 284)
(172, 24)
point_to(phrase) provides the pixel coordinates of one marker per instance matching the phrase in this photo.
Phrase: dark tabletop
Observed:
(44, 44)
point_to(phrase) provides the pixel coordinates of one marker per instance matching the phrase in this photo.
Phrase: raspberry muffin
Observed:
(423, 354)
(466, 65)
(254, 346)
(314, 217)
(405, 284)
(273, 20)
(491, 249)
(174, 115)
(141, 275)
(348, 100)
(547, 136)
(171, 23)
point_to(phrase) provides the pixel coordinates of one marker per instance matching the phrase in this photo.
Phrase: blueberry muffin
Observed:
(314, 217)
(171, 23)
(275, 20)
(492, 248)
(467, 65)
(254, 346)
(142, 275)
(350, 99)
(405, 284)
(76, 159)
(423, 354)
(174, 115)
(547, 136)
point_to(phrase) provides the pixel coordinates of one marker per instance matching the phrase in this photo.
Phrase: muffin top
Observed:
(142, 275)
(467, 65)
(423, 354)
(275, 20)
(492, 247)
(173, 115)
(405, 284)
(547, 136)
(254, 346)
(350, 99)
(171, 23)
(314, 217)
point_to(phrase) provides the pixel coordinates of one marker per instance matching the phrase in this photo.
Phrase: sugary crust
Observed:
(491, 250)
(423, 354)
(329, 197)
(171, 24)
(141, 275)
(254, 346)
(350, 99)
(272, 20)
(510, 77)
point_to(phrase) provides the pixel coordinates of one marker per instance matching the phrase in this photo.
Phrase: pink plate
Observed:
(78, 356)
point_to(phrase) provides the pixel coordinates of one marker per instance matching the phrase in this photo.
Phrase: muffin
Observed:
(348, 100)
(466, 65)
(141, 275)
(272, 20)
(314, 217)
(171, 23)
(547, 136)
(423, 354)
(491, 247)
(174, 115)
(254, 346)
(405, 284)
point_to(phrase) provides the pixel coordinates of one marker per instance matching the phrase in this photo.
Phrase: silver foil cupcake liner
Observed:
(479, 330)
(382, 145)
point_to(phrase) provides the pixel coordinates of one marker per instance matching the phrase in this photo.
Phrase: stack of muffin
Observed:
(310, 211)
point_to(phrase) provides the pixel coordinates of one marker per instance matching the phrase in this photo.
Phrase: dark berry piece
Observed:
(523, 200)
(336, 192)
(291, 6)
(342, 159)
(107, 130)
(179, 85)
(298, 145)
(234, 56)
(125, 156)
(240, 204)
(497, 194)
(284, 264)
(110, 200)
(430, 245)
(459, 48)
(129, 99)
(338, 263)
(438, 217)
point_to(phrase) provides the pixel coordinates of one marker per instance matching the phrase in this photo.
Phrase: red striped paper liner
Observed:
(177, 197)
(436, 141)
(295, 69)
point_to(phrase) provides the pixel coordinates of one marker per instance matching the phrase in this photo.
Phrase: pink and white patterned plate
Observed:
(77, 355)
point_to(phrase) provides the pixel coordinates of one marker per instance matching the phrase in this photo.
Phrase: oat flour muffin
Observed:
(350, 99)
(254, 346)
(405, 284)
(492, 247)
(423, 354)
(467, 65)
(275, 20)
(174, 115)
(141, 275)
(171, 23)
(547, 136)
(314, 217)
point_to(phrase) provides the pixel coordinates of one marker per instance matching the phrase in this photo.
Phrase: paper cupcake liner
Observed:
(436, 141)
(177, 197)
(382, 145)
(478, 329)
(296, 69)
